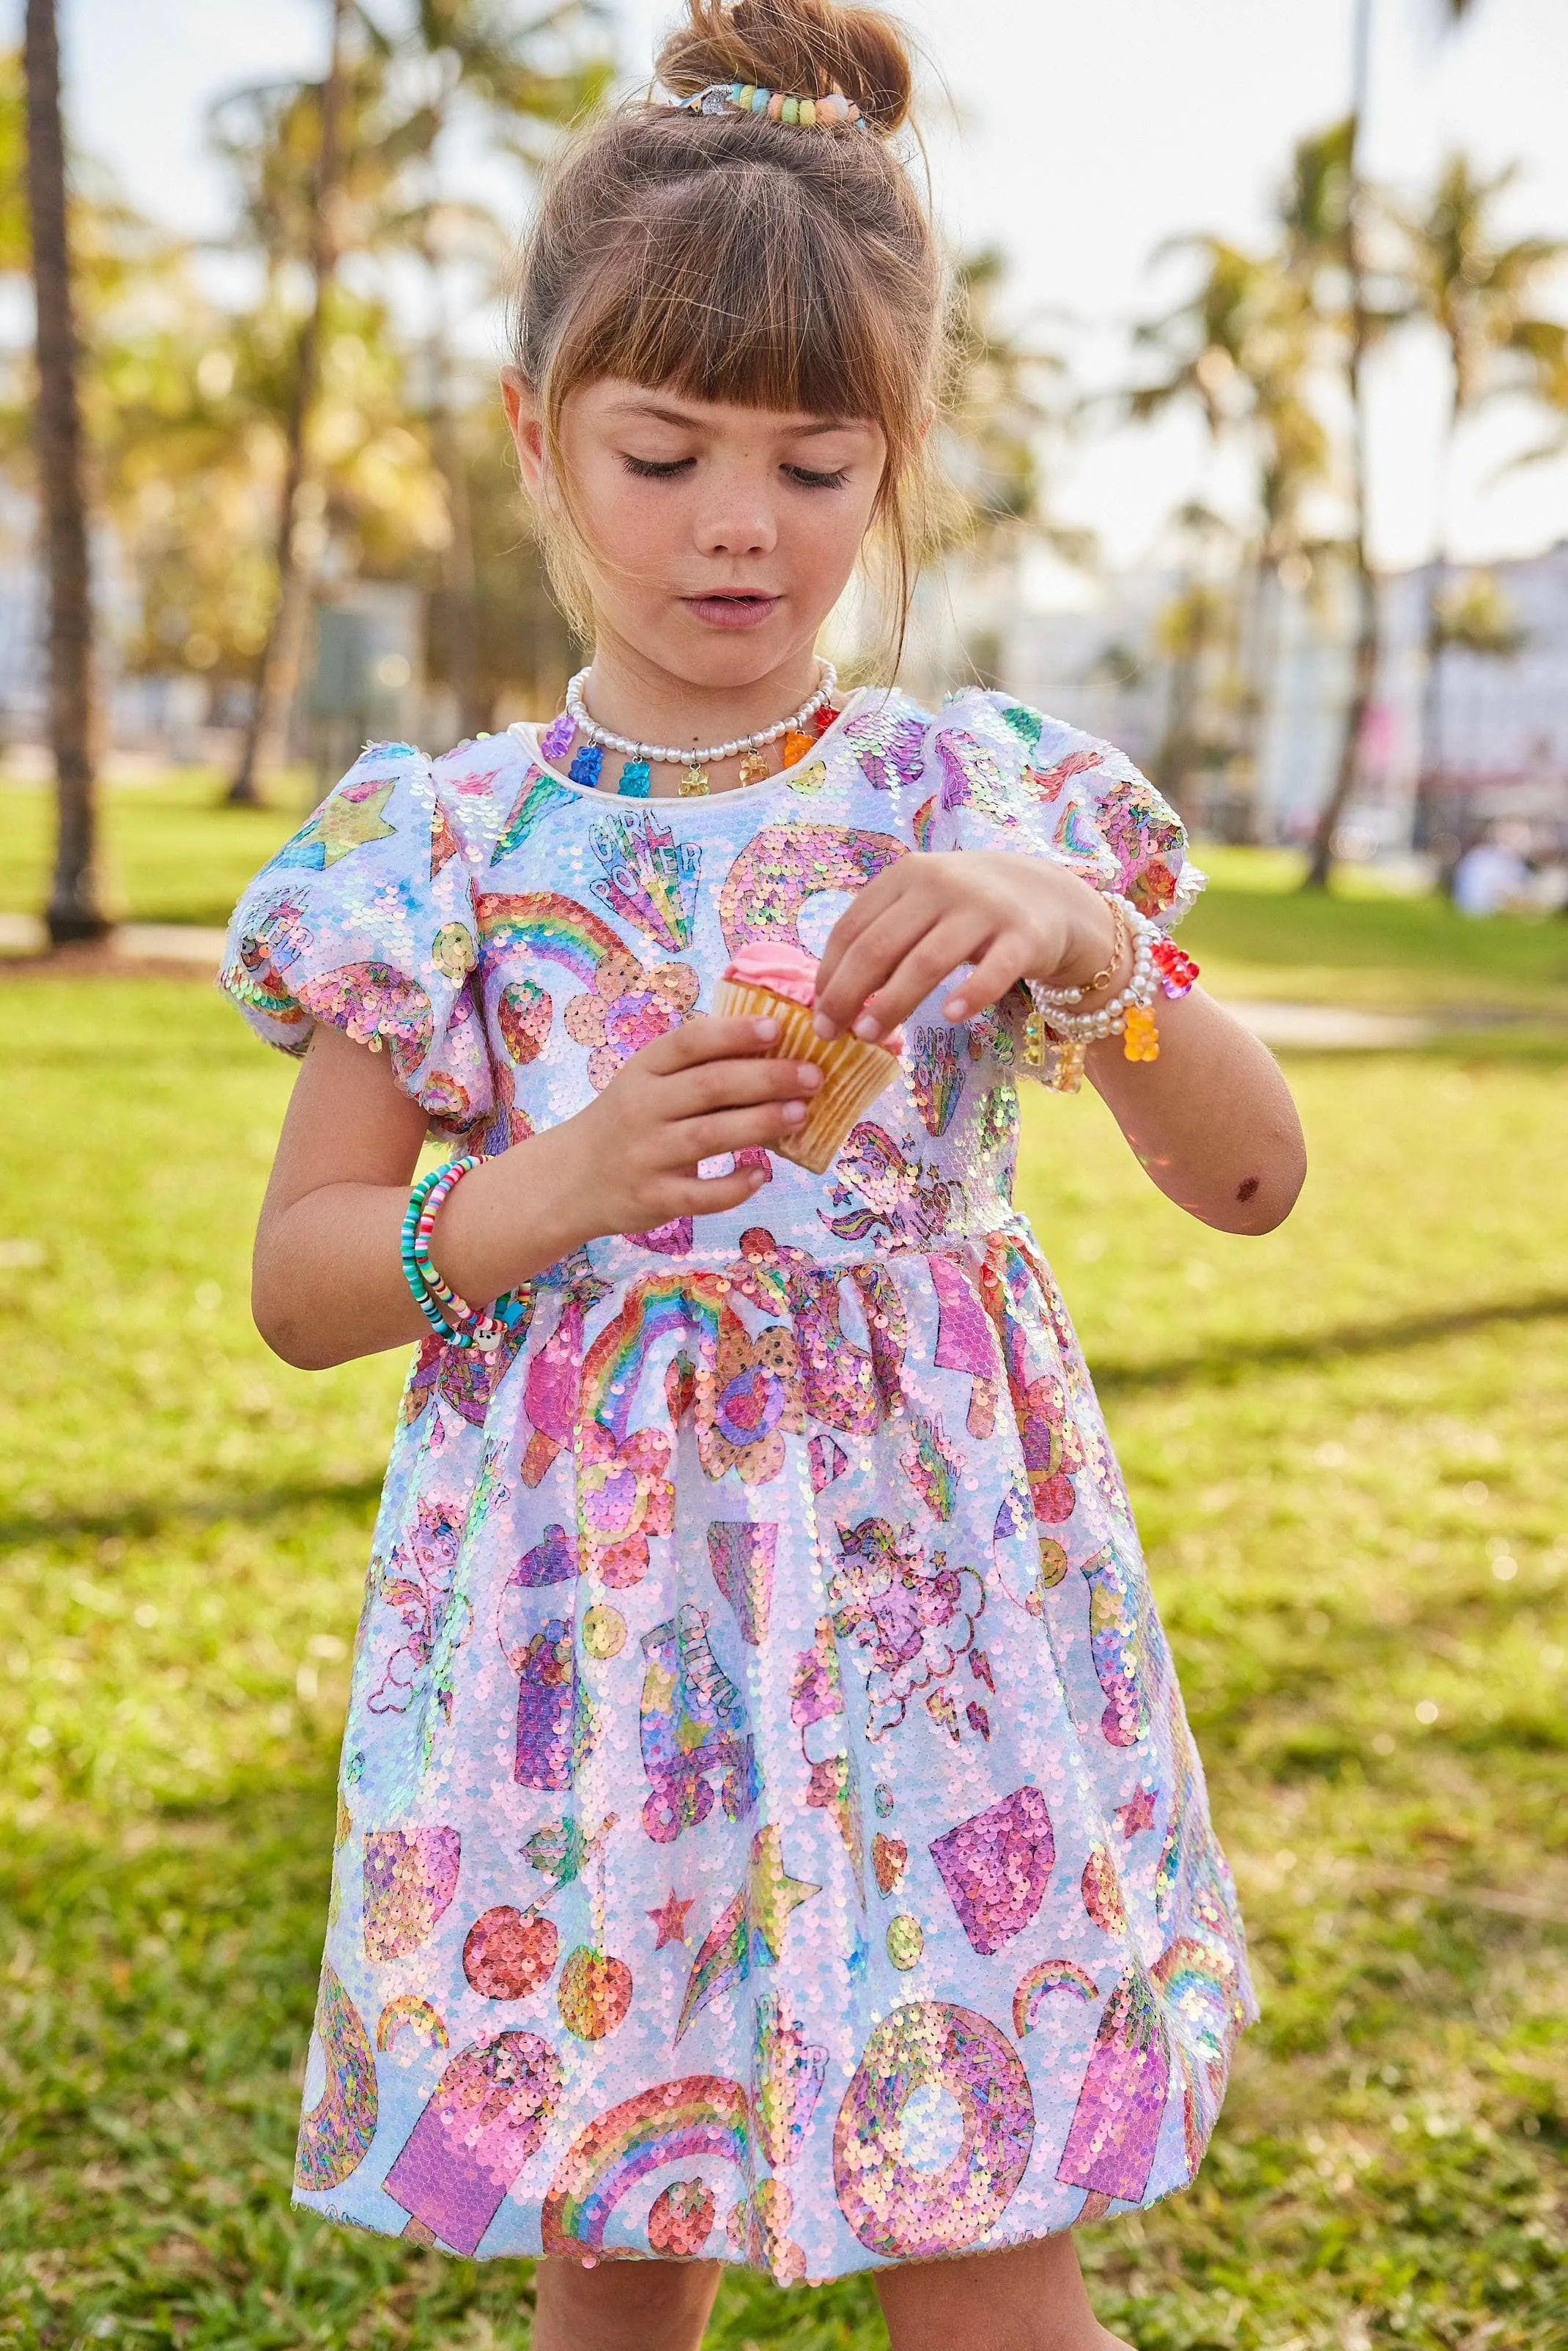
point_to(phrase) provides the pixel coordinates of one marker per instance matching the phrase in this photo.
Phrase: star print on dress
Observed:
(350, 819)
(670, 1919)
(772, 1893)
(1137, 1814)
(750, 1931)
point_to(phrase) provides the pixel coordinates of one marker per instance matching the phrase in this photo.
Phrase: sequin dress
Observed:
(769, 1826)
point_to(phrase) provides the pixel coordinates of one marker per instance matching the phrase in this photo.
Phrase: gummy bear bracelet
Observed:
(449, 1316)
(1158, 964)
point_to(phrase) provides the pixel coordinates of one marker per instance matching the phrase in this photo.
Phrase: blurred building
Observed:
(1443, 756)
(1498, 724)
(364, 684)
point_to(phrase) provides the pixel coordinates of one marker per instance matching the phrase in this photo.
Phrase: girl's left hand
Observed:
(1009, 918)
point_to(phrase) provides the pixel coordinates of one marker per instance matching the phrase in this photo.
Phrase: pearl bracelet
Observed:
(1157, 963)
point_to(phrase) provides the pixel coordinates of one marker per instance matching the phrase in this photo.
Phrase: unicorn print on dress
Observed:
(886, 1195)
(912, 1619)
(416, 1582)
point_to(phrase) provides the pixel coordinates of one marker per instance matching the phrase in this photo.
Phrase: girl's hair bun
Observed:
(803, 48)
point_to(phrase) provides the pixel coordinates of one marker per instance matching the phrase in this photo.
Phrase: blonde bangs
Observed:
(739, 291)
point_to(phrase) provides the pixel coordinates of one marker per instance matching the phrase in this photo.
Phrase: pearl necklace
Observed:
(695, 782)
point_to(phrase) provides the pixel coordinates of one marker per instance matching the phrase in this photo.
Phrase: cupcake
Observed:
(779, 983)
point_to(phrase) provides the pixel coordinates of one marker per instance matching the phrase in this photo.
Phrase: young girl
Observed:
(769, 1832)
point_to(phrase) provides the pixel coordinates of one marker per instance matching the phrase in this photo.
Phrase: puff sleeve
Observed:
(365, 919)
(1007, 777)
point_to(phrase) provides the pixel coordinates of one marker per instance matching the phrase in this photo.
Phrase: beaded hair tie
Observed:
(834, 112)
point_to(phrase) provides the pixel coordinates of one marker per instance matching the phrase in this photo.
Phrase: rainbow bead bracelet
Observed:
(449, 1316)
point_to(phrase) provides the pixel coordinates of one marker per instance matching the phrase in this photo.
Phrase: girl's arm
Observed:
(1212, 1119)
(327, 1282)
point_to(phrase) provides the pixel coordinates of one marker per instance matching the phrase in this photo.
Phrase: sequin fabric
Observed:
(769, 1829)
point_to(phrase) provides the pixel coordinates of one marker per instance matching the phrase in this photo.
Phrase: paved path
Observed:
(1334, 1027)
(140, 942)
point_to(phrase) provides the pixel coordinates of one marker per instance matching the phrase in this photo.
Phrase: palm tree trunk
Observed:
(75, 911)
(1256, 672)
(1364, 673)
(277, 671)
(1177, 755)
(1432, 754)
(460, 582)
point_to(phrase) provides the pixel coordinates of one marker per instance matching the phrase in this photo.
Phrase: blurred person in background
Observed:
(1493, 875)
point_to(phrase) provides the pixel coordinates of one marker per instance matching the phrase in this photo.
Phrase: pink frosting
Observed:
(790, 972)
(787, 970)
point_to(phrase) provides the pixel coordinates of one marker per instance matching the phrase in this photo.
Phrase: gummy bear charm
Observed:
(1142, 1042)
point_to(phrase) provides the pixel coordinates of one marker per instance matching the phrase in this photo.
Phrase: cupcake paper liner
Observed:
(853, 1072)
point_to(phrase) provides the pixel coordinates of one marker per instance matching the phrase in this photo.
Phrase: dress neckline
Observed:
(527, 732)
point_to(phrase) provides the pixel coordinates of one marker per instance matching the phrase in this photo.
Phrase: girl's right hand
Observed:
(329, 1285)
(701, 1092)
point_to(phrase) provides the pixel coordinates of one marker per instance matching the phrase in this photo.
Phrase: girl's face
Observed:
(718, 538)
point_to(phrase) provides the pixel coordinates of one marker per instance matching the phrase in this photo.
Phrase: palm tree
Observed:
(278, 671)
(361, 149)
(516, 85)
(1479, 294)
(1241, 349)
(1545, 345)
(75, 910)
(1363, 325)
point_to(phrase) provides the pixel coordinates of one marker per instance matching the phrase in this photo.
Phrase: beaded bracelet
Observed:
(1158, 964)
(435, 1298)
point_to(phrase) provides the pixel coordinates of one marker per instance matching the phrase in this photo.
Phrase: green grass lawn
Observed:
(171, 851)
(1345, 1442)
(174, 854)
(1258, 934)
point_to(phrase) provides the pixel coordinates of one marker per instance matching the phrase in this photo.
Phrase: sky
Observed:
(1079, 138)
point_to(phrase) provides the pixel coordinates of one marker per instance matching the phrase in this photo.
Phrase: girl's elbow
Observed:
(290, 1336)
(1262, 1203)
